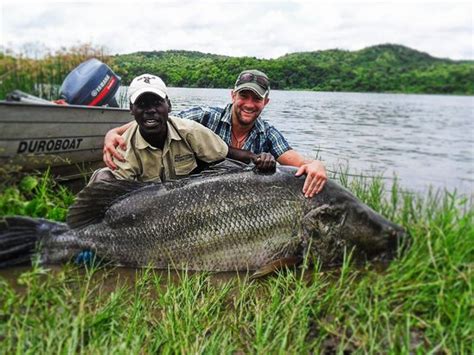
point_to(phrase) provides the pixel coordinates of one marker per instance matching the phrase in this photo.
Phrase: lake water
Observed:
(422, 139)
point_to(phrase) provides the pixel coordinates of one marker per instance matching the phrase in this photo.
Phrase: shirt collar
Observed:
(141, 143)
(227, 116)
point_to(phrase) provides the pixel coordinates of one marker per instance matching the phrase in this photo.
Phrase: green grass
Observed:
(35, 196)
(421, 303)
(43, 76)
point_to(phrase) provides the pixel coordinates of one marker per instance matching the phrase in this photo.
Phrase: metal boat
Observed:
(66, 138)
(65, 135)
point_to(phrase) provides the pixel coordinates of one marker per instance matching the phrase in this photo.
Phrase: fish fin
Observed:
(227, 166)
(224, 167)
(95, 199)
(19, 237)
(276, 265)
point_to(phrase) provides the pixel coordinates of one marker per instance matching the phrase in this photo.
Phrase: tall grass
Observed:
(421, 303)
(43, 76)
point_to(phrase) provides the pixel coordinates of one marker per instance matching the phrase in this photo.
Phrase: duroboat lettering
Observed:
(48, 145)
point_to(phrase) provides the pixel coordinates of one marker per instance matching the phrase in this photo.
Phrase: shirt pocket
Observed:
(185, 165)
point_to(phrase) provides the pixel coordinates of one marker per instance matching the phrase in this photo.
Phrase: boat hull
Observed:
(67, 139)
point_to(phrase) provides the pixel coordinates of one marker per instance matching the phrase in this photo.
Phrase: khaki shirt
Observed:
(186, 141)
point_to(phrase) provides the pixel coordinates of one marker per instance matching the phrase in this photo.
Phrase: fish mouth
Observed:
(397, 242)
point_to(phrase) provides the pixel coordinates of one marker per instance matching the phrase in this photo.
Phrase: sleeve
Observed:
(207, 145)
(276, 142)
(194, 114)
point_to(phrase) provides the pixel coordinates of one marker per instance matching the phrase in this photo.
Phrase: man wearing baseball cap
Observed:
(253, 80)
(240, 126)
(161, 147)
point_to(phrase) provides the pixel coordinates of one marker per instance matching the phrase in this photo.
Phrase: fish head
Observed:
(339, 223)
(372, 235)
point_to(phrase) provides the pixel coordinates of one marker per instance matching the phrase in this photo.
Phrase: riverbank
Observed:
(421, 302)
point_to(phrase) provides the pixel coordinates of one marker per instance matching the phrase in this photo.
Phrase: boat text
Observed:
(100, 86)
(48, 145)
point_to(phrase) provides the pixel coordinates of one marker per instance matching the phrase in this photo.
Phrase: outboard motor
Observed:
(92, 83)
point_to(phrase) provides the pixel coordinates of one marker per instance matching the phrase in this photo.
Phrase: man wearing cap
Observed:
(160, 147)
(240, 126)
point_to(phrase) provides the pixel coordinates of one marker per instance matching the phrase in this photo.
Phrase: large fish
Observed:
(238, 220)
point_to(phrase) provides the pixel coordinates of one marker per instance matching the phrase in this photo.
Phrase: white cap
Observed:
(147, 83)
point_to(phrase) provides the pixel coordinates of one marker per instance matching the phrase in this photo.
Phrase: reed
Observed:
(420, 303)
(43, 76)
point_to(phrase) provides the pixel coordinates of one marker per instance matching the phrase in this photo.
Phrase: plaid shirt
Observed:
(262, 137)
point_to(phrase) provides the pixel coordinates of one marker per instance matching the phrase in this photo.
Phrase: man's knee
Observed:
(104, 174)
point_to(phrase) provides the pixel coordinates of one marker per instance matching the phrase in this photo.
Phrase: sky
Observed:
(262, 29)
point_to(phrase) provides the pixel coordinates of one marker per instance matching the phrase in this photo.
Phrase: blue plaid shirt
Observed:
(262, 137)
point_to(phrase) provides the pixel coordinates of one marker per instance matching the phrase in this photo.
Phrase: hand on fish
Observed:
(316, 177)
(264, 163)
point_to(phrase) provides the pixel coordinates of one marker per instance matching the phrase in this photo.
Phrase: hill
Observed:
(381, 68)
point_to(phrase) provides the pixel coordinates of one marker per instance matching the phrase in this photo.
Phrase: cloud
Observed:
(264, 29)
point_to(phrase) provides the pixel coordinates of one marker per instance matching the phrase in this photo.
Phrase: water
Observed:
(425, 140)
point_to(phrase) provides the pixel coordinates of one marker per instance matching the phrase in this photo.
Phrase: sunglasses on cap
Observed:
(252, 78)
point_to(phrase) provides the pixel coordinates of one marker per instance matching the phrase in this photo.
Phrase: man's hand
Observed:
(316, 177)
(265, 163)
(111, 141)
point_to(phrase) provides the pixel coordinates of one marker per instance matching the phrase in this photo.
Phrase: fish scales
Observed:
(238, 220)
(212, 230)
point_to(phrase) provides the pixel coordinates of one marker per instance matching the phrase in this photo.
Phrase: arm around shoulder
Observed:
(113, 139)
(121, 130)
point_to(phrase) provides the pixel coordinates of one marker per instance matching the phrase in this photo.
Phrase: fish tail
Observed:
(20, 237)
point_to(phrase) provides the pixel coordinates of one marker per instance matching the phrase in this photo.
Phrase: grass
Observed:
(421, 303)
(43, 76)
(35, 196)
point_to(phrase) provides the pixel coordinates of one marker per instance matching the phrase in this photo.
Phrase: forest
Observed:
(383, 68)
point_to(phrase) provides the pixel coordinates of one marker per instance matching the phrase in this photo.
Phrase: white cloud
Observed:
(264, 29)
